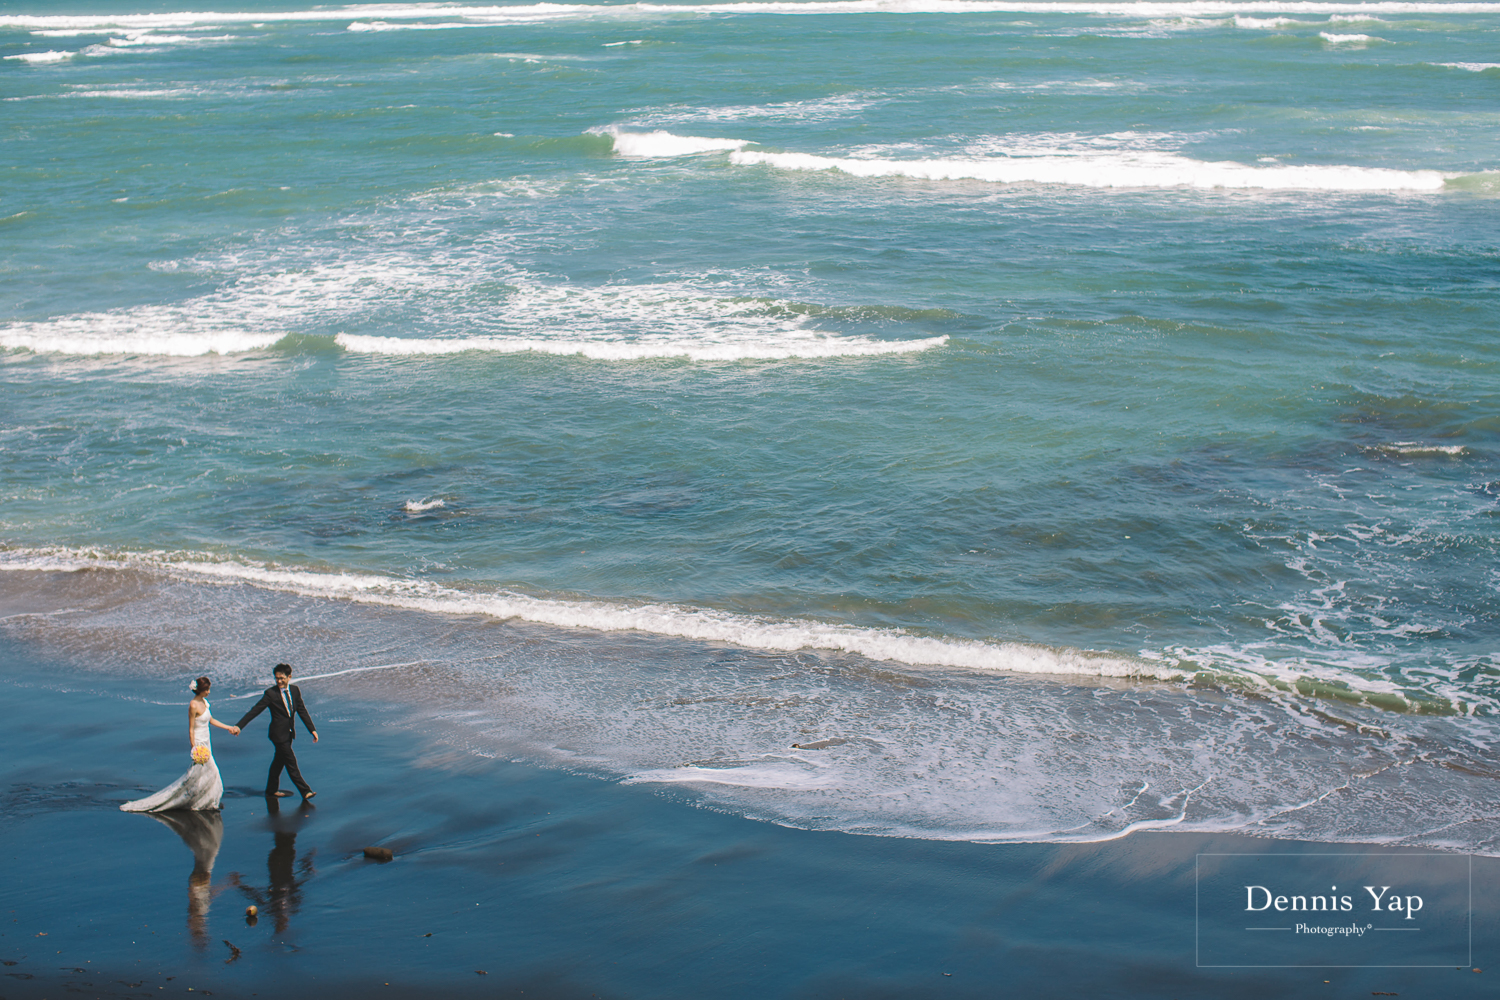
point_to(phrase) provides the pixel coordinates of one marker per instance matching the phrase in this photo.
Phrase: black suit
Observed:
(283, 730)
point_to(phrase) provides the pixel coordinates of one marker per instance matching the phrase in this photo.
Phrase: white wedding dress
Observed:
(200, 788)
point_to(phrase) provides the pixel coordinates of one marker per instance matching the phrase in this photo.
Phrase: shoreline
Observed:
(816, 742)
(539, 882)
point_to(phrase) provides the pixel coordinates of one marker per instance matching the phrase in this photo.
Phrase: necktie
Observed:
(286, 696)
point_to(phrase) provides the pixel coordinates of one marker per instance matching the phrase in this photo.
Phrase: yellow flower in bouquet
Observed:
(201, 754)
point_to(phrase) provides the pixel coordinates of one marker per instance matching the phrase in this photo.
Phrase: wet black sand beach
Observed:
(515, 881)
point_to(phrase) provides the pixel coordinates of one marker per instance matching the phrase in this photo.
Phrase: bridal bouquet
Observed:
(201, 754)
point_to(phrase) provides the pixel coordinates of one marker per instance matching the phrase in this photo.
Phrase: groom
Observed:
(283, 699)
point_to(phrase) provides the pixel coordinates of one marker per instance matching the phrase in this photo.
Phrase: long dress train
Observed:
(200, 788)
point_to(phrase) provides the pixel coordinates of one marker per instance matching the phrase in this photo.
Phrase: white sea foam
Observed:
(143, 330)
(1024, 144)
(1342, 672)
(1418, 448)
(701, 320)
(37, 58)
(442, 26)
(423, 293)
(110, 50)
(705, 349)
(481, 14)
(657, 619)
(1132, 170)
(1472, 67)
(654, 144)
(149, 38)
(133, 93)
(1272, 23)
(136, 38)
(1268, 23)
(1158, 27)
(1348, 41)
(814, 110)
(774, 774)
(143, 45)
(417, 506)
(1073, 86)
(249, 315)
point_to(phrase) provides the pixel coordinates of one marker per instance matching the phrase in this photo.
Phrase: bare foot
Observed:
(279, 794)
(308, 796)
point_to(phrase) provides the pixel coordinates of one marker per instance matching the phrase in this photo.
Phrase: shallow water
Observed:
(920, 377)
(554, 885)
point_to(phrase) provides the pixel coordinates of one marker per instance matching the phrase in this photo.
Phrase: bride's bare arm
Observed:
(233, 729)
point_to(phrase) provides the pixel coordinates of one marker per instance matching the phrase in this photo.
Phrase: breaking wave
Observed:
(1348, 41)
(1123, 169)
(1227, 667)
(610, 322)
(657, 619)
(38, 58)
(1135, 170)
(645, 347)
(654, 144)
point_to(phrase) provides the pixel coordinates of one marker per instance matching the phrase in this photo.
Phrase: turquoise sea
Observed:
(1057, 419)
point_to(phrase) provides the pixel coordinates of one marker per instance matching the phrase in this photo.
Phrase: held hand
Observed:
(234, 730)
(315, 737)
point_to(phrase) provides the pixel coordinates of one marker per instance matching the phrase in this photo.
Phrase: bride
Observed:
(201, 787)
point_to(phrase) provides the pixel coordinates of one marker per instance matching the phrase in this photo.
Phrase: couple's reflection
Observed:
(203, 833)
(282, 895)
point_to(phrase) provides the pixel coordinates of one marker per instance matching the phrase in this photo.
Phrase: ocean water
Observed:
(962, 420)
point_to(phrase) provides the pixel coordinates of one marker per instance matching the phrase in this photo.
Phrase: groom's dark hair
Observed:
(283, 668)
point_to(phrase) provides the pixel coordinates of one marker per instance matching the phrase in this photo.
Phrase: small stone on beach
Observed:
(251, 911)
(379, 854)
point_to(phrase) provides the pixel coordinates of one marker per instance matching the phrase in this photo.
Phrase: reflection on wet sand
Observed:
(282, 896)
(202, 832)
